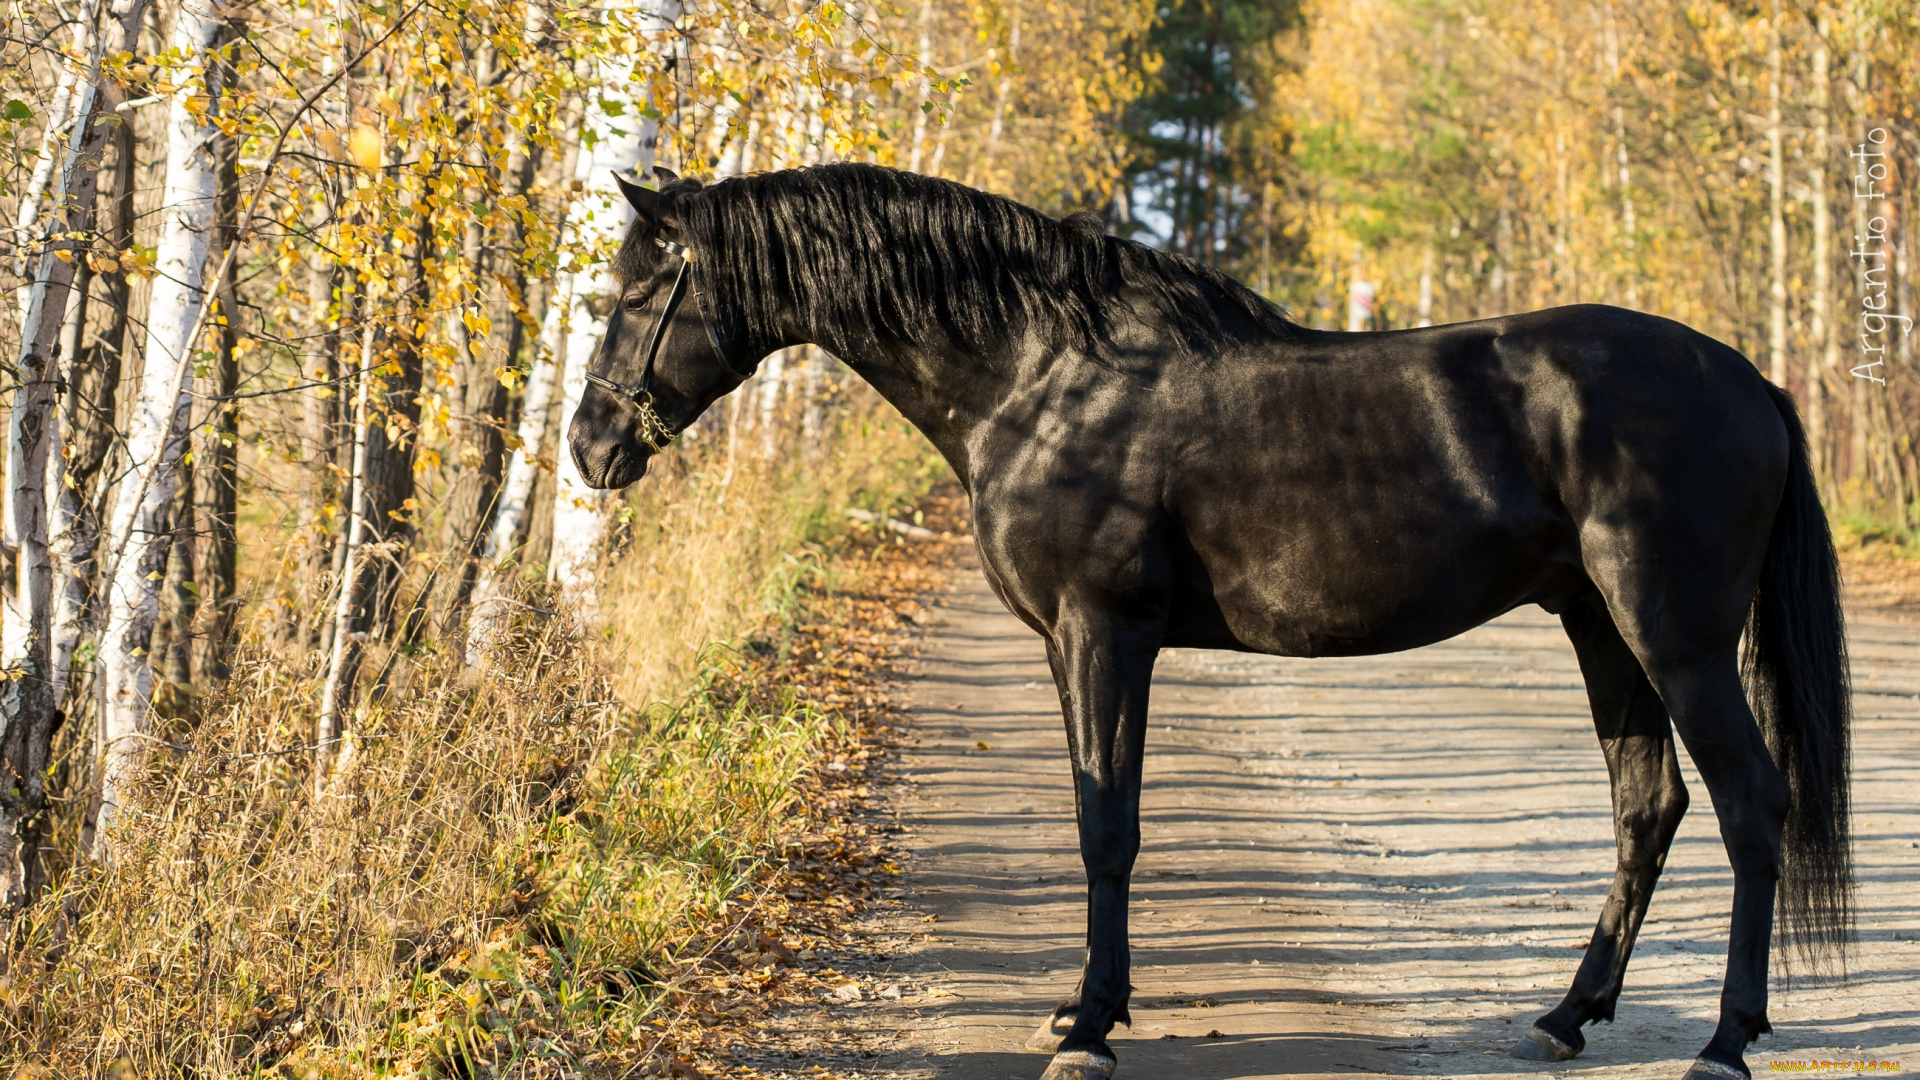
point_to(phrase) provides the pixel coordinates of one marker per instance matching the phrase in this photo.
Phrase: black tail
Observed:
(1796, 674)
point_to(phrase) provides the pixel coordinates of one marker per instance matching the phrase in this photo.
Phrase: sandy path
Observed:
(1373, 865)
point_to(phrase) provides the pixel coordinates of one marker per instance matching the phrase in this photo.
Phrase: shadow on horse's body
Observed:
(1158, 458)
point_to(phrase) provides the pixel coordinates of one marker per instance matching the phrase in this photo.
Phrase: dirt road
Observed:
(1355, 866)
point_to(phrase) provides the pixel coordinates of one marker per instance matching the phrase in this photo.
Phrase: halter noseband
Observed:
(653, 430)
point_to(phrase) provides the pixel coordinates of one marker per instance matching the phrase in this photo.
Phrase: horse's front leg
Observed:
(1103, 668)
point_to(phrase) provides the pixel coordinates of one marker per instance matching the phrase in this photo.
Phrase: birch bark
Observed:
(1622, 163)
(93, 383)
(1825, 341)
(27, 230)
(1776, 214)
(1000, 92)
(29, 700)
(488, 602)
(773, 377)
(488, 605)
(580, 512)
(340, 669)
(157, 430)
(477, 496)
(924, 94)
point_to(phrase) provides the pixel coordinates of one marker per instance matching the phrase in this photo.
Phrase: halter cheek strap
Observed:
(653, 430)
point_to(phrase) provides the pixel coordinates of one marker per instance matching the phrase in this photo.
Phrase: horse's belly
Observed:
(1427, 586)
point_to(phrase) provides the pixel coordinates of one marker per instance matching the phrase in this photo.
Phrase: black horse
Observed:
(1157, 457)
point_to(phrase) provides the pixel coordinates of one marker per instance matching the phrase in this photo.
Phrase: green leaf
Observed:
(16, 110)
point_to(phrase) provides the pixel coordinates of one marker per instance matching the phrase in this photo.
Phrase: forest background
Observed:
(297, 569)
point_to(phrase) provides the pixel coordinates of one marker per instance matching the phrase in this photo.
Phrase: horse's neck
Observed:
(943, 393)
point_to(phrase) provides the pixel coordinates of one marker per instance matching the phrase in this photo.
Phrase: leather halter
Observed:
(653, 430)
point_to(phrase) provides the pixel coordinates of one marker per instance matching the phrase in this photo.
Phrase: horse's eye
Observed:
(635, 303)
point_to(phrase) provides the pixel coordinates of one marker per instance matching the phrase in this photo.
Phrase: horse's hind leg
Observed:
(1750, 796)
(1648, 802)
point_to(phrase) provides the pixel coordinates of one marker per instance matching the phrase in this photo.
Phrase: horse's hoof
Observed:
(1079, 1065)
(1537, 1045)
(1708, 1069)
(1046, 1038)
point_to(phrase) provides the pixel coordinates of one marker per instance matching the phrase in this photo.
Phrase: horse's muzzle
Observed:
(609, 466)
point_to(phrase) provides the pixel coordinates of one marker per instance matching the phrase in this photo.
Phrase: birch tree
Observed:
(140, 526)
(488, 610)
(478, 491)
(1822, 337)
(579, 511)
(31, 695)
(341, 669)
(1776, 212)
(624, 142)
(87, 435)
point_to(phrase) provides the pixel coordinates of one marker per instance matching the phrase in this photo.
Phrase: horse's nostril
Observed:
(580, 460)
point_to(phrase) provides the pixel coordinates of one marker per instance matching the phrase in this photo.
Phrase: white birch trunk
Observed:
(341, 667)
(75, 541)
(924, 97)
(738, 156)
(487, 610)
(141, 528)
(1000, 103)
(580, 512)
(720, 144)
(1627, 227)
(1501, 282)
(813, 413)
(1776, 214)
(28, 701)
(940, 147)
(816, 149)
(33, 425)
(71, 534)
(1822, 366)
(1623, 174)
(28, 229)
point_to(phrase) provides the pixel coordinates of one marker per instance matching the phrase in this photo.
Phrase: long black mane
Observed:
(893, 257)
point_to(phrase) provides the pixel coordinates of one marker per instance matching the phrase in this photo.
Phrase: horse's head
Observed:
(659, 365)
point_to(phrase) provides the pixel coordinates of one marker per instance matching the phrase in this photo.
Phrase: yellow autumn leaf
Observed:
(364, 147)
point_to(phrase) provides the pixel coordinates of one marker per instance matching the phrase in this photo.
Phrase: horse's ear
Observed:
(645, 201)
(664, 175)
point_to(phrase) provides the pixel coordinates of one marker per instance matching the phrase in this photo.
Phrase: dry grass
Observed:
(504, 876)
(1881, 566)
(719, 542)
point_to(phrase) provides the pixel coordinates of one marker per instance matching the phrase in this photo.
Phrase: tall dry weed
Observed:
(505, 855)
